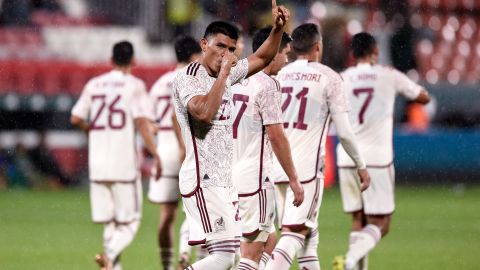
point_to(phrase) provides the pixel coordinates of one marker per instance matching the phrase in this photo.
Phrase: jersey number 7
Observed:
(363, 109)
(244, 99)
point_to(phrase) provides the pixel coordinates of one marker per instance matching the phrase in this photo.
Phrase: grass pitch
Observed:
(433, 228)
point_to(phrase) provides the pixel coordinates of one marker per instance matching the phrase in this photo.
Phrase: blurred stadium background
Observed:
(50, 48)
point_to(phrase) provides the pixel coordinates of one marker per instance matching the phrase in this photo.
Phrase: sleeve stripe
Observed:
(192, 68)
(196, 69)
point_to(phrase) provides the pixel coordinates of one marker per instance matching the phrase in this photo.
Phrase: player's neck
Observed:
(181, 65)
(126, 69)
(210, 71)
(311, 57)
(366, 61)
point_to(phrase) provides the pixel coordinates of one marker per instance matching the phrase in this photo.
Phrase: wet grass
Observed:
(433, 228)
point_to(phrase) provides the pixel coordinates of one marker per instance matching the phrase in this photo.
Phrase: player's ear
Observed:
(204, 44)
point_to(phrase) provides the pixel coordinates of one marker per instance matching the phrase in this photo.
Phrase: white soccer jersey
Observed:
(167, 143)
(110, 103)
(257, 103)
(371, 90)
(310, 93)
(209, 147)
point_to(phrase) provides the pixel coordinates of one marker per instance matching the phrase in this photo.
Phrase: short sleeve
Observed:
(82, 107)
(187, 87)
(336, 100)
(269, 102)
(141, 103)
(239, 71)
(405, 86)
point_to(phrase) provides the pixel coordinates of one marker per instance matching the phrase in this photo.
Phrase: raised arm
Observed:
(205, 107)
(264, 55)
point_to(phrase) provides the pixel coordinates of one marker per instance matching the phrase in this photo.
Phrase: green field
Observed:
(433, 228)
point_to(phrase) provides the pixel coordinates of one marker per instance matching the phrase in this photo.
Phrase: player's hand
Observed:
(280, 15)
(158, 167)
(297, 189)
(229, 60)
(364, 179)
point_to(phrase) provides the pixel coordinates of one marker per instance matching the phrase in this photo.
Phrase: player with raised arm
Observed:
(111, 107)
(257, 128)
(371, 90)
(165, 191)
(185, 249)
(203, 105)
(312, 93)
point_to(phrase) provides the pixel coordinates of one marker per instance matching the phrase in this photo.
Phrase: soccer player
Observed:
(257, 128)
(203, 105)
(165, 191)
(312, 94)
(111, 107)
(371, 90)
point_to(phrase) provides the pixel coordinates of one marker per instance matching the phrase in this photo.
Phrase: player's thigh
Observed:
(128, 201)
(101, 202)
(307, 213)
(350, 190)
(212, 214)
(257, 213)
(379, 198)
(163, 190)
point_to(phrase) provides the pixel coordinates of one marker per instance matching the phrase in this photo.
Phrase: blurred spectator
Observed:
(20, 170)
(335, 50)
(17, 12)
(180, 14)
(46, 164)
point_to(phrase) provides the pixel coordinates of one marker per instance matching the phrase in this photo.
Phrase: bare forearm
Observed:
(146, 133)
(205, 107)
(281, 148)
(347, 139)
(80, 123)
(265, 54)
(177, 130)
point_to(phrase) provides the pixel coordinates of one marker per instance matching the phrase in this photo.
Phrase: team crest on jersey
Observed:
(219, 224)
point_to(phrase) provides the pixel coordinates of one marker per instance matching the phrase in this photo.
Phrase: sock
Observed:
(263, 261)
(308, 256)
(202, 252)
(108, 231)
(222, 256)
(285, 250)
(166, 257)
(247, 264)
(365, 241)
(116, 264)
(185, 248)
(363, 263)
(121, 238)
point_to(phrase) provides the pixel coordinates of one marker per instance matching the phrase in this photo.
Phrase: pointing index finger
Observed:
(274, 3)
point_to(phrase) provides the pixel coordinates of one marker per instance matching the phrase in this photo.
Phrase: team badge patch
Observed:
(219, 224)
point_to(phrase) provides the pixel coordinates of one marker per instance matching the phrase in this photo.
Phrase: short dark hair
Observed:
(185, 47)
(222, 27)
(122, 53)
(304, 37)
(363, 44)
(262, 34)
